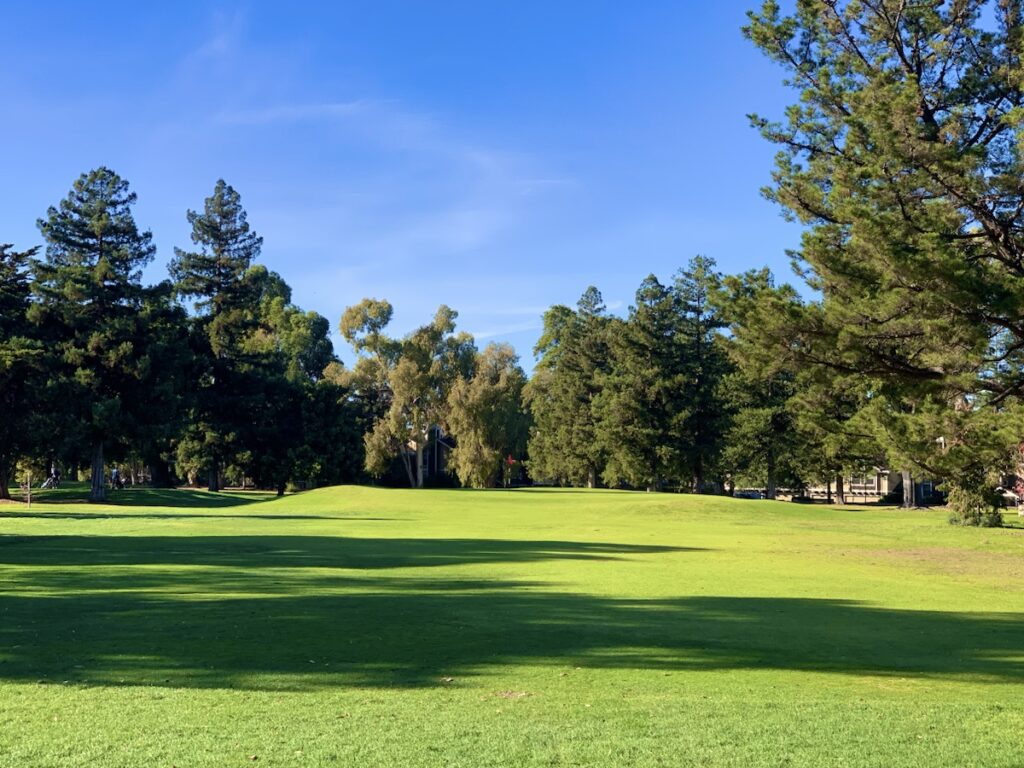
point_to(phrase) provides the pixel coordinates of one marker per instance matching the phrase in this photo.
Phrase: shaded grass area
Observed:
(365, 639)
(373, 627)
(260, 552)
(142, 496)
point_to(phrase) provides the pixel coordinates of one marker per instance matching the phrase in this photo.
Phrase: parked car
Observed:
(748, 494)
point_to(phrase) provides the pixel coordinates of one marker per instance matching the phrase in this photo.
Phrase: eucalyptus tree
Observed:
(407, 379)
(486, 417)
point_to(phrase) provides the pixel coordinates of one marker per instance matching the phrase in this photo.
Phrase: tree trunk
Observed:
(419, 465)
(908, 490)
(408, 467)
(280, 488)
(214, 479)
(160, 474)
(592, 478)
(5, 477)
(770, 491)
(840, 490)
(98, 491)
(828, 491)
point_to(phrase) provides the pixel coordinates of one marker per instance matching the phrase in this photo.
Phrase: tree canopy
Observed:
(902, 159)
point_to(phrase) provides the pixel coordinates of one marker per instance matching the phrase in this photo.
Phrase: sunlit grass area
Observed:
(356, 626)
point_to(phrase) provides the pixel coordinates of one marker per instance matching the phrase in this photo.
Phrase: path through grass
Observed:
(367, 627)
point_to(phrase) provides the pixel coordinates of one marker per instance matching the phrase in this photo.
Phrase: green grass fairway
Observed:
(369, 627)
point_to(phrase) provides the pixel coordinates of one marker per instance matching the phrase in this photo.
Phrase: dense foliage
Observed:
(901, 157)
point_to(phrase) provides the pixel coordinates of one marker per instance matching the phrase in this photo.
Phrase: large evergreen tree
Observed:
(332, 450)
(218, 276)
(165, 384)
(287, 356)
(762, 444)
(90, 301)
(642, 406)
(214, 275)
(21, 379)
(706, 364)
(903, 160)
(565, 442)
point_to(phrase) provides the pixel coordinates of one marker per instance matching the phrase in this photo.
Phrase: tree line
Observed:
(903, 160)
(901, 157)
(675, 396)
(214, 374)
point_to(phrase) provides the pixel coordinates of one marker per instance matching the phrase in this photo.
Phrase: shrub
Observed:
(974, 505)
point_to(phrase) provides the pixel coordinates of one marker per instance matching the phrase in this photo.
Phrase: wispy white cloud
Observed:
(398, 202)
(392, 127)
(434, 194)
(291, 113)
(533, 186)
(226, 32)
(512, 311)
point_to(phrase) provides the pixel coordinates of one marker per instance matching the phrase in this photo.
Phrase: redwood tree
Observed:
(90, 312)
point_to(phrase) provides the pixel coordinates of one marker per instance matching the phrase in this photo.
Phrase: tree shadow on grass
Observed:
(300, 551)
(192, 498)
(151, 611)
(413, 636)
(6, 514)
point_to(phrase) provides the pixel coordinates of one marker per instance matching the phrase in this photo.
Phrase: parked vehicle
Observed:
(748, 494)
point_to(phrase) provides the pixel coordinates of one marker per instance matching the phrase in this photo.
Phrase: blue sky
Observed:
(496, 157)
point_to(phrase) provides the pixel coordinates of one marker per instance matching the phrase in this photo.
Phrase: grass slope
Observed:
(355, 626)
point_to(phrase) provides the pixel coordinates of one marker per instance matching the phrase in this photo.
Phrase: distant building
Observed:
(871, 487)
(435, 455)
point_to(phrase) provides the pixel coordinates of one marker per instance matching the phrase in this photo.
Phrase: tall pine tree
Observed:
(90, 298)
(642, 404)
(217, 277)
(902, 159)
(762, 445)
(706, 365)
(565, 443)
